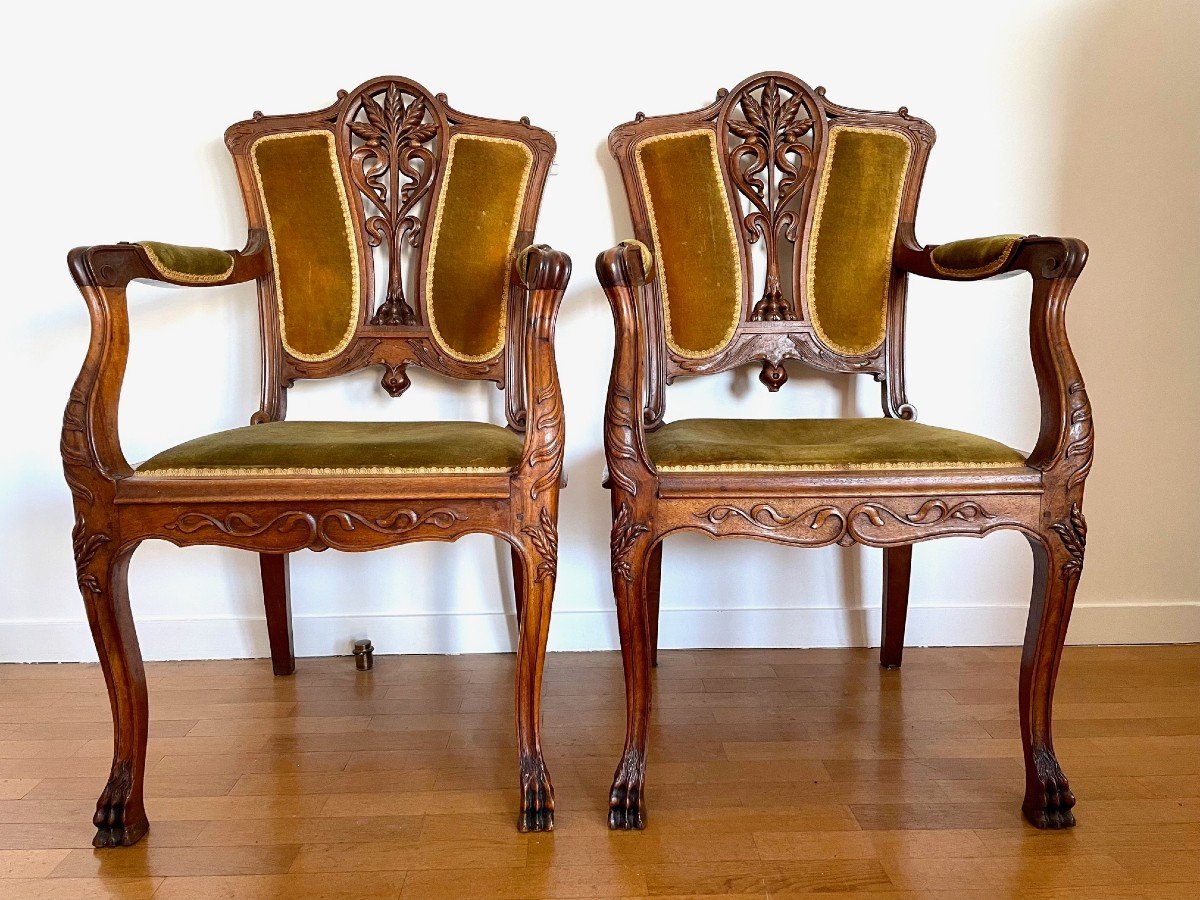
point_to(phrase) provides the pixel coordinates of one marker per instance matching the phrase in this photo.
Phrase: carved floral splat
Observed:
(393, 136)
(770, 167)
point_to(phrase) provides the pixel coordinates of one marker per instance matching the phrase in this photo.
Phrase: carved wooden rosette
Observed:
(392, 138)
(773, 130)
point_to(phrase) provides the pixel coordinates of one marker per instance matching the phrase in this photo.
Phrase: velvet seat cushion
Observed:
(731, 445)
(342, 448)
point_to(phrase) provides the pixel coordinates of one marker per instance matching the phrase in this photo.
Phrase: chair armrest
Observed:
(1065, 440)
(972, 259)
(544, 273)
(91, 448)
(624, 271)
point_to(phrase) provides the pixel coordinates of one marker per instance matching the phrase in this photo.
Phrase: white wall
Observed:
(1062, 117)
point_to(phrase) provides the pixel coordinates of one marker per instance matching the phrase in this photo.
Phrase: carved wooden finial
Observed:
(441, 98)
(820, 90)
(903, 112)
(722, 93)
(773, 375)
(639, 116)
(256, 115)
(341, 95)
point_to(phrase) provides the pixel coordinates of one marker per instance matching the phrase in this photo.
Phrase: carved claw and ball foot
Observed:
(537, 797)
(1048, 796)
(627, 801)
(119, 820)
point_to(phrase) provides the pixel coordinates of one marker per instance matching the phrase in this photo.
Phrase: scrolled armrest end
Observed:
(629, 264)
(540, 267)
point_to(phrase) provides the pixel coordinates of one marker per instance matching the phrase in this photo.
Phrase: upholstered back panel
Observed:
(695, 246)
(853, 232)
(474, 232)
(312, 241)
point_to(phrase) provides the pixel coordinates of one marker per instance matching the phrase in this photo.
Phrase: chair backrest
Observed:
(392, 221)
(823, 188)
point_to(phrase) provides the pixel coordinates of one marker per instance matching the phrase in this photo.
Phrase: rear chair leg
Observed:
(653, 592)
(897, 566)
(277, 598)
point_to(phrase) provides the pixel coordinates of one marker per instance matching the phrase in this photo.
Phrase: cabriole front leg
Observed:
(535, 564)
(632, 548)
(1057, 564)
(120, 818)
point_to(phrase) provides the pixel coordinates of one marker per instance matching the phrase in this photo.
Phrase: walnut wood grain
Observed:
(276, 516)
(772, 129)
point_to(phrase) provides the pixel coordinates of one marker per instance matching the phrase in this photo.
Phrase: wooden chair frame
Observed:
(115, 509)
(887, 509)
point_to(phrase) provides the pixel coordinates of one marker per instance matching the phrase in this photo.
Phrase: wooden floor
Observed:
(771, 772)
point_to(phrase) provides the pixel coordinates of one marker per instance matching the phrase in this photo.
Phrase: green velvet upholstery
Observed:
(312, 245)
(283, 448)
(472, 246)
(695, 248)
(195, 264)
(974, 256)
(854, 230)
(820, 444)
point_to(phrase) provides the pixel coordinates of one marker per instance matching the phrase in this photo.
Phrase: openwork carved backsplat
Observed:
(392, 134)
(772, 163)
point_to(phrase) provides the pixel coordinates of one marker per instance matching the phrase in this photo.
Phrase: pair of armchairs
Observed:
(390, 230)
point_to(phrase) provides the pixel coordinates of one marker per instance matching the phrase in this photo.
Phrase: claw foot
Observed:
(119, 821)
(627, 803)
(537, 797)
(1048, 800)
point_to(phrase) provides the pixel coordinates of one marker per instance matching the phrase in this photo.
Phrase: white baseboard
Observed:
(241, 637)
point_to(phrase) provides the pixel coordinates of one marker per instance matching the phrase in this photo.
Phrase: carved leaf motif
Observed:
(624, 533)
(85, 545)
(1073, 534)
(544, 537)
(393, 170)
(319, 528)
(770, 168)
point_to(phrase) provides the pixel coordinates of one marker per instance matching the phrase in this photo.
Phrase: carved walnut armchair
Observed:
(387, 184)
(830, 193)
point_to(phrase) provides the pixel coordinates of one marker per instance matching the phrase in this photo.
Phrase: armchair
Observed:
(830, 192)
(389, 186)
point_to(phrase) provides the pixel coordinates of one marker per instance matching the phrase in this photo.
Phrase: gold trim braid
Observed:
(244, 471)
(834, 467)
(351, 243)
(188, 277)
(658, 254)
(512, 240)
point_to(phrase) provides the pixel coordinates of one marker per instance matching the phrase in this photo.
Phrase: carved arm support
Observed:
(1064, 447)
(544, 272)
(624, 272)
(103, 273)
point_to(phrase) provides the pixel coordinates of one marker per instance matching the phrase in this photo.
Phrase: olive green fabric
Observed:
(315, 257)
(473, 238)
(850, 257)
(974, 256)
(820, 444)
(188, 263)
(694, 243)
(279, 448)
